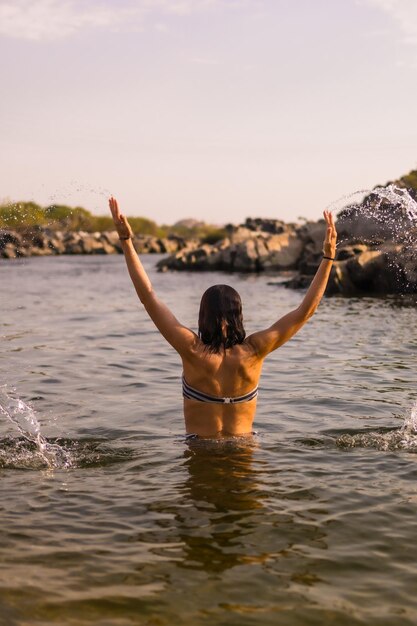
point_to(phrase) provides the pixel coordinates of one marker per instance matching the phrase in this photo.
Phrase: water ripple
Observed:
(109, 516)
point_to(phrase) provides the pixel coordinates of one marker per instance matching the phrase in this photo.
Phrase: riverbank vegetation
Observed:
(22, 216)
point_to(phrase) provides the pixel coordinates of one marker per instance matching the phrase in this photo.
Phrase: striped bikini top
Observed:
(193, 394)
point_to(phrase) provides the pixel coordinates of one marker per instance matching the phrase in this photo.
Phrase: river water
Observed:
(109, 517)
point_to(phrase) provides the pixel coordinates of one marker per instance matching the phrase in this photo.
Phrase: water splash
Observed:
(366, 199)
(398, 196)
(22, 454)
(383, 214)
(403, 438)
(27, 216)
(354, 199)
(83, 192)
(31, 450)
(23, 416)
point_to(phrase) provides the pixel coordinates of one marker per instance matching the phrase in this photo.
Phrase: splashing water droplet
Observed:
(403, 438)
(410, 422)
(22, 415)
(385, 214)
(24, 418)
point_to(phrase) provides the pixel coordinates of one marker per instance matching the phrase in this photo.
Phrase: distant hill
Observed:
(189, 223)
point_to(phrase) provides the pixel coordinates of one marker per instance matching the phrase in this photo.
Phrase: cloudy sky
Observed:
(215, 109)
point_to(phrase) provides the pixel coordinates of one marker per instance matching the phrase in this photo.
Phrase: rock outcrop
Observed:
(392, 268)
(377, 249)
(246, 249)
(389, 268)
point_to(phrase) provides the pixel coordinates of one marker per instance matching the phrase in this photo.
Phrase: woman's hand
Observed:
(122, 225)
(329, 244)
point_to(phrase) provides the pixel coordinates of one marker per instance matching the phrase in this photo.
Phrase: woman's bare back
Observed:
(231, 373)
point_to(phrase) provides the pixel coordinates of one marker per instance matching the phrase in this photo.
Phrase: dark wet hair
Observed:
(220, 321)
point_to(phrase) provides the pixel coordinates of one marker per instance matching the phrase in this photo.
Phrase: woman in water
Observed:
(221, 366)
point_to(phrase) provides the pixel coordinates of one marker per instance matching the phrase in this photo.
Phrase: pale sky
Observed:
(213, 109)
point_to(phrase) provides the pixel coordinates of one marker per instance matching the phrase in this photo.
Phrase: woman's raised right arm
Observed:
(179, 336)
(265, 341)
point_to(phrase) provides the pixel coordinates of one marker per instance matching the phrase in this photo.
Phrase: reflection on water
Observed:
(224, 499)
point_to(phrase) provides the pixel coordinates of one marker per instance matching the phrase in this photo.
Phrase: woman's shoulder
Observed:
(250, 354)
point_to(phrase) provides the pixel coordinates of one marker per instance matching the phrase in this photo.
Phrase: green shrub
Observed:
(410, 180)
(21, 214)
(143, 226)
(214, 235)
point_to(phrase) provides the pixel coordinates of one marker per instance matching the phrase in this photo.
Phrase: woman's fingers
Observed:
(329, 243)
(334, 232)
(331, 227)
(328, 217)
(114, 208)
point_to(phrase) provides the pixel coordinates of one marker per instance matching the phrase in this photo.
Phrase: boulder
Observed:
(9, 251)
(170, 244)
(181, 260)
(266, 225)
(350, 251)
(39, 240)
(152, 246)
(107, 247)
(73, 243)
(387, 213)
(241, 234)
(284, 252)
(91, 243)
(312, 235)
(244, 256)
(378, 271)
(35, 251)
(253, 254)
(111, 241)
(262, 250)
(410, 273)
(390, 269)
(56, 242)
(10, 237)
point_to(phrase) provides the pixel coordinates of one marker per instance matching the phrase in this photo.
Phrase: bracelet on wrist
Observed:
(125, 238)
(329, 258)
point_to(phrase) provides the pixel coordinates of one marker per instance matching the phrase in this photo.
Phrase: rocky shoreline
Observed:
(384, 263)
(41, 241)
